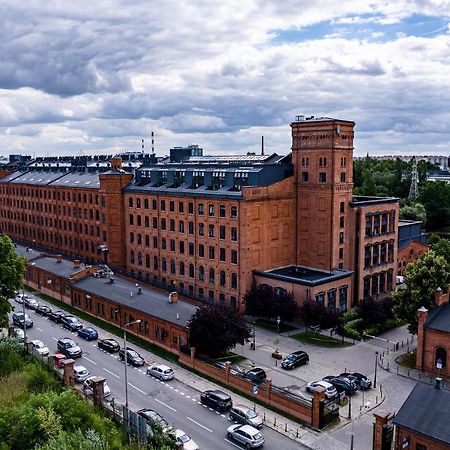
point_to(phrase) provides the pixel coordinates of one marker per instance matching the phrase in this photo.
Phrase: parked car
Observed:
(160, 371)
(69, 348)
(109, 345)
(216, 399)
(245, 416)
(22, 320)
(39, 347)
(88, 333)
(20, 298)
(247, 435)
(71, 323)
(153, 416)
(56, 316)
(362, 381)
(256, 375)
(295, 359)
(185, 440)
(20, 334)
(342, 384)
(87, 387)
(330, 390)
(58, 359)
(43, 310)
(133, 357)
(80, 373)
(31, 303)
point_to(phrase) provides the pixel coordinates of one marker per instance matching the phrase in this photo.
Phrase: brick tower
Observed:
(322, 153)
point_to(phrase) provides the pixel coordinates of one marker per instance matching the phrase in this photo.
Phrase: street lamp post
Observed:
(125, 354)
(254, 336)
(278, 323)
(376, 365)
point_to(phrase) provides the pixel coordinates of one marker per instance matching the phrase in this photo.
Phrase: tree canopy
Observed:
(440, 246)
(264, 301)
(315, 313)
(435, 196)
(422, 278)
(12, 269)
(413, 211)
(214, 330)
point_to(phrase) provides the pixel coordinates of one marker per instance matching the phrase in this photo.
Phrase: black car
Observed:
(22, 320)
(133, 357)
(216, 399)
(362, 381)
(69, 348)
(256, 375)
(43, 310)
(71, 323)
(56, 316)
(295, 359)
(109, 345)
(342, 384)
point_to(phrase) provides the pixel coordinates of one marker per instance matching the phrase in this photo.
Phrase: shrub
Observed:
(351, 332)
(350, 315)
(11, 358)
(40, 379)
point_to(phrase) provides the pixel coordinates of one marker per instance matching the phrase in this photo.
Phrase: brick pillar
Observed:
(381, 419)
(68, 378)
(268, 389)
(192, 357)
(318, 397)
(227, 371)
(98, 384)
(422, 315)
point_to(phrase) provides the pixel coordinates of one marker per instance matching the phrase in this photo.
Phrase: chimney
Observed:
(59, 259)
(116, 163)
(173, 297)
(438, 383)
(439, 297)
(76, 264)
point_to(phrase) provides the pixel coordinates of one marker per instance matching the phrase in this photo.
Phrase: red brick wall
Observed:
(432, 340)
(409, 254)
(414, 439)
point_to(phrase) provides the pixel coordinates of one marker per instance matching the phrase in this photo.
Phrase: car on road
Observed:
(31, 303)
(295, 359)
(185, 440)
(362, 381)
(88, 333)
(247, 435)
(246, 416)
(133, 357)
(19, 334)
(330, 390)
(342, 384)
(80, 373)
(20, 298)
(58, 359)
(71, 323)
(152, 416)
(109, 345)
(68, 347)
(256, 375)
(43, 310)
(22, 320)
(39, 347)
(217, 399)
(56, 316)
(87, 387)
(160, 371)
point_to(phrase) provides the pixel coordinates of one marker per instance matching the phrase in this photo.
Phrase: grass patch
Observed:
(284, 328)
(13, 389)
(234, 358)
(407, 360)
(319, 340)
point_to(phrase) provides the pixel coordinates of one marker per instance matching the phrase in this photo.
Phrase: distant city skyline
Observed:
(97, 77)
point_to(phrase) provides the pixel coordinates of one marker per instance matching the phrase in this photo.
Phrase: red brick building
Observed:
(203, 224)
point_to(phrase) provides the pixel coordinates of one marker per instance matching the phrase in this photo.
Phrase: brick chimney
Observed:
(59, 259)
(116, 163)
(173, 297)
(76, 264)
(422, 316)
(439, 297)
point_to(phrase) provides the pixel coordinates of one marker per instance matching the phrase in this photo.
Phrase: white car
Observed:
(330, 390)
(184, 439)
(80, 373)
(160, 371)
(87, 386)
(39, 347)
(31, 303)
(20, 298)
(20, 334)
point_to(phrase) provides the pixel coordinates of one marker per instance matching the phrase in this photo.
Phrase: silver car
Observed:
(39, 347)
(160, 371)
(80, 373)
(247, 435)
(244, 415)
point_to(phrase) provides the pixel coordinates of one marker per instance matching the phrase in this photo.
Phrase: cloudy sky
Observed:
(97, 76)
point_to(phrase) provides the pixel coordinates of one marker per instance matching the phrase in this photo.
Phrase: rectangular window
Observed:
(222, 211)
(171, 206)
(211, 210)
(163, 205)
(234, 212)
(322, 177)
(181, 226)
(222, 232)
(375, 254)
(146, 221)
(181, 207)
(138, 202)
(191, 227)
(155, 242)
(211, 230)
(366, 292)
(342, 221)
(172, 225)
(155, 223)
(222, 254)
(367, 256)
(131, 219)
(369, 218)
(190, 208)
(191, 248)
(305, 177)
(342, 207)
(181, 247)
(341, 237)
(145, 203)
(343, 298)
(331, 294)
(172, 245)
(234, 257)
(211, 252)
(234, 234)
(163, 224)
(341, 253)
(201, 229)
(342, 177)
(163, 243)
(201, 251)
(154, 205)
(201, 210)
(130, 202)
(147, 240)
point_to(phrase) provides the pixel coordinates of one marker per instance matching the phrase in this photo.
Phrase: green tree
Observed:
(435, 196)
(440, 246)
(368, 187)
(315, 313)
(214, 330)
(422, 278)
(12, 269)
(264, 301)
(414, 211)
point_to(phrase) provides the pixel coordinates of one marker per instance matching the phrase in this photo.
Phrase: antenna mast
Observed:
(414, 189)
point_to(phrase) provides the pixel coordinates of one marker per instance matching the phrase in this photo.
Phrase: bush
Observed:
(350, 315)
(11, 358)
(374, 330)
(40, 379)
(351, 332)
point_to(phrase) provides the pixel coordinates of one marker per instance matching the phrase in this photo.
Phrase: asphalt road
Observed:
(177, 402)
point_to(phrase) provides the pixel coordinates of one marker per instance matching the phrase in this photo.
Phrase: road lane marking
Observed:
(140, 390)
(54, 338)
(113, 374)
(38, 328)
(199, 424)
(167, 406)
(90, 360)
(232, 443)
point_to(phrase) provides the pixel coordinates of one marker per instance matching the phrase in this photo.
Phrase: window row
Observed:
(323, 177)
(330, 299)
(380, 223)
(378, 253)
(378, 283)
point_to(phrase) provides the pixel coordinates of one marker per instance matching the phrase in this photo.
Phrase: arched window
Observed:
(155, 262)
(140, 258)
(222, 278)
(191, 270)
(172, 266)
(441, 357)
(164, 265)
(201, 273)
(181, 268)
(212, 276)
(233, 281)
(132, 257)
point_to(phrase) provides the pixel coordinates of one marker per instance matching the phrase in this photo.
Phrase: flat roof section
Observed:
(360, 200)
(64, 268)
(304, 275)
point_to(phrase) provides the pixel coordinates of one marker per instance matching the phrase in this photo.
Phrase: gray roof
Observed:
(64, 268)
(85, 180)
(38, 178)
(151, 301)
(21, 250)
(439, 318)
(426, 411)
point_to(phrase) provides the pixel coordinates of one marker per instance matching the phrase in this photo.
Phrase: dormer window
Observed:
(198, 178)
(218, 180)
(240, 179)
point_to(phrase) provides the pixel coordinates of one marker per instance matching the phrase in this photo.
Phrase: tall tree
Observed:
(12, 269)
(414, 211)
(435, 196)
(422, 278)
(214, 330)
(440, 246)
